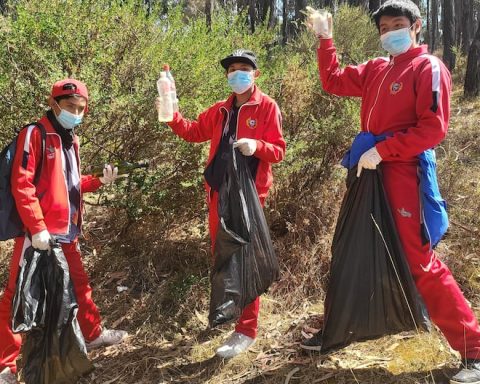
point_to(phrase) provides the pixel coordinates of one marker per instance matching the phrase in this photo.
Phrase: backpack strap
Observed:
(43, 132)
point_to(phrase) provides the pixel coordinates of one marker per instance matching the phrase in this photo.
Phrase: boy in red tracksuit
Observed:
(406, 97)
(251, 121)
(52, 210)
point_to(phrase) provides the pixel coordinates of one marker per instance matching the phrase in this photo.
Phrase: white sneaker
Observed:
(107, 337)
(235, 344)
(8, 377)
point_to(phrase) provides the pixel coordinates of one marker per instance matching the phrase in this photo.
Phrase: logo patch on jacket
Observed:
(251, 123)
(395, 87)
(51, 152)
(404, 213)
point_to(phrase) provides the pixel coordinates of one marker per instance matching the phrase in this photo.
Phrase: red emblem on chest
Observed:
(251, 123)
(395, 87)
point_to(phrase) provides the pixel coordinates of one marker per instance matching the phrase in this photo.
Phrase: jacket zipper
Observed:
(378, 94)
(236, 133)
(209, 189)
(239, 109)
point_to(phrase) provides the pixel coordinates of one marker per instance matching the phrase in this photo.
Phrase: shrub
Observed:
(118, 51)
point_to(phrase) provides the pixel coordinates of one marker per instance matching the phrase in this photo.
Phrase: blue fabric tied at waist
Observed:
(433, 207)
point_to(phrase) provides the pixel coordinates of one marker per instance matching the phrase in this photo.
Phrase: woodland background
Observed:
(149, 233)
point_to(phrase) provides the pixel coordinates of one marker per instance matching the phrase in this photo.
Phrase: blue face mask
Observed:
(397, 42)
(240, 81)
(69, 120)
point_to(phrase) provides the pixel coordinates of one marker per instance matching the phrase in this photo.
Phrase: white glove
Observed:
(109, 174)
(41, 240)
(369, 160)
(320, 22)
(246, 146)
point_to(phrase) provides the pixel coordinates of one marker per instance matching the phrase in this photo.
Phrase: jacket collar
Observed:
(45, 121)
(49, 124)
(255, 98)
(411, 54)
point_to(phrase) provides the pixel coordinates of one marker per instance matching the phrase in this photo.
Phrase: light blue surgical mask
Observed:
(69, 120)
(240, 81)
(397, 42)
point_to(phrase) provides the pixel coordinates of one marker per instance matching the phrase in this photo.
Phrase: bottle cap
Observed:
(166, 67)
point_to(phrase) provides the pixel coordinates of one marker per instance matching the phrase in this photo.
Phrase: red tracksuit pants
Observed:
(87, 315)
(443, 298)
(248, 321)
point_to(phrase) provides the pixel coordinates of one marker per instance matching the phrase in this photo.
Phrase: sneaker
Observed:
(8, 377)
(235, 344)
(314, 343)
(470, 373)
(107, 337)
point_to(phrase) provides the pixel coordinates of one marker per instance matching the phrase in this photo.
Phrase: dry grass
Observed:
(459, 168)
(165, 306)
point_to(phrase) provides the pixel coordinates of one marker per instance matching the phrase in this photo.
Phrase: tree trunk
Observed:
(252, 15)
(468, 24)
(299, 16)
(164, 7)
(434, 25)
(285, 22)
(263, 7)
(272, 17)
(472, 76)
(429, 23)
(208, 14)
(458, 6)
(328, 4)
(449, 33)
(266, 12)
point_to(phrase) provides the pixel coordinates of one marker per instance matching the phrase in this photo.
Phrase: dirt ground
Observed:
(167, 320)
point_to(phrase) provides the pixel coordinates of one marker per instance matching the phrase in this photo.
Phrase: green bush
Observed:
(118, 51)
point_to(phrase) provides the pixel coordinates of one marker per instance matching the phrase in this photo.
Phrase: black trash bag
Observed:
(45, 308)
(245, 262)
(371, 292)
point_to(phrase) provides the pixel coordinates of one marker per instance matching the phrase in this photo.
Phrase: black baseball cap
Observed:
(240, 56)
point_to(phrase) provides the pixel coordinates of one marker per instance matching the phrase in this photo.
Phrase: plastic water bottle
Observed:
(166, 68)
(165, 112)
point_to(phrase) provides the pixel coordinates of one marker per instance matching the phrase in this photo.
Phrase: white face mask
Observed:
(240, 81)
(67, 119)
(397, 42)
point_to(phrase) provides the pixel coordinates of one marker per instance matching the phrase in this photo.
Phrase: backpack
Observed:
(10, 223)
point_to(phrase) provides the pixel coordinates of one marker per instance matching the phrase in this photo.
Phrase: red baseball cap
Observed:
(69, 87)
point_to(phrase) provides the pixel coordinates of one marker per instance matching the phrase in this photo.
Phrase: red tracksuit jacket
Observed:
(258, 119)
(46, 205)
(408, 95)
